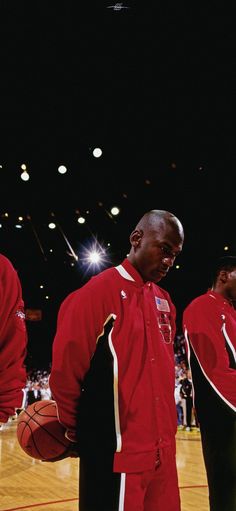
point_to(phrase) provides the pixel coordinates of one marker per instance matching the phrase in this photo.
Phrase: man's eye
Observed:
(166, 251)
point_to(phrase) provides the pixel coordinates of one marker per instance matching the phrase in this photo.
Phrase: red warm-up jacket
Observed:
(113, 367)
(13, 341)
(209, 324)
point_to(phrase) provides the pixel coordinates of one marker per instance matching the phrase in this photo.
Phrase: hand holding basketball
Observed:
(41, 435)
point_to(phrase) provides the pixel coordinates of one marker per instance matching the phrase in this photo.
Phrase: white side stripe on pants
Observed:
(122, 492)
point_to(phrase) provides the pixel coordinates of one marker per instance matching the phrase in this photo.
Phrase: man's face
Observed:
(156, 252)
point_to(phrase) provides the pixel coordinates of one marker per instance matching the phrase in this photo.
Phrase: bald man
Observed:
(113, 376)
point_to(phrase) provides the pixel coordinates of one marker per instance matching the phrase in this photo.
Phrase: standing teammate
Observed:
(13, 341)
(113, 375)
(209, 323)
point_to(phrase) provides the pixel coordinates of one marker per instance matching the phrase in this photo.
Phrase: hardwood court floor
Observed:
(31, 485)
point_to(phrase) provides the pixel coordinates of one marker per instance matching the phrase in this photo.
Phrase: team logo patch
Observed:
(20, 314)
(123, 294)
(165, 327)
(162, 304)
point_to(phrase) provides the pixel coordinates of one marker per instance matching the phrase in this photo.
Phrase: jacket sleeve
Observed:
(81, 319)
(202, 325)
(13, 341)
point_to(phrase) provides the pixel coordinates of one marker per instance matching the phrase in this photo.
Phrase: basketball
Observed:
(39, 431)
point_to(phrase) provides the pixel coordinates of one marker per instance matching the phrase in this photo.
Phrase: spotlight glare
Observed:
(62, 169)
(97, 152)
(94, 257)
(52, 225)
(24, 176)
(115, 211)
(81, 220)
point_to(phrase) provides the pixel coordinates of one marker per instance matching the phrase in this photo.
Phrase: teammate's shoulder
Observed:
(198, 301)
(6, 265)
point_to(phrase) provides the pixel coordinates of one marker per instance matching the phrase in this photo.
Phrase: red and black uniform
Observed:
(209, 323)
(113, 380)
(13, 341)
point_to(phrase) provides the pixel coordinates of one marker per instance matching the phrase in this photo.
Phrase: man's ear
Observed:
(136, 237)
(223, 276)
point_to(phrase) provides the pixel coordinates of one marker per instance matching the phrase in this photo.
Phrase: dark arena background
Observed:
(137, 102)
(108, 110)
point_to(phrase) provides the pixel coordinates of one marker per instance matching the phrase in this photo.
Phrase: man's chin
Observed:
(158, 276)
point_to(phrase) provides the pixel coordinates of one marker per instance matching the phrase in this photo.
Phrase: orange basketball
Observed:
(39, 431)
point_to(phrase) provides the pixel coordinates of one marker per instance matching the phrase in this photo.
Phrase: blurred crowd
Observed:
(186, 414)
(37, 386)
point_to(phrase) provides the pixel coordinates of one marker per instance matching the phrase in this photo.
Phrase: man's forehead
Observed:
(171, 239)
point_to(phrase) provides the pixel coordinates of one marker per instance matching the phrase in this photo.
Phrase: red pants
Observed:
(152, 490)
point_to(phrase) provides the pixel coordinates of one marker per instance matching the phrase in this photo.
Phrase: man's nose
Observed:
(169, 260)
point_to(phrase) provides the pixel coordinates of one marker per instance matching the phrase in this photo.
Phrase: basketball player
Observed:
(113, 375)
(13, 341)
(209, 323)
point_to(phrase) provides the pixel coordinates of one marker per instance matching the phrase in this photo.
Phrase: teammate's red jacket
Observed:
(209, 324)
(13, 341)
(113, 367)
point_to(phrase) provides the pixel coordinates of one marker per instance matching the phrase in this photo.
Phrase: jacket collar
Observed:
(219, 298)
(129, 272)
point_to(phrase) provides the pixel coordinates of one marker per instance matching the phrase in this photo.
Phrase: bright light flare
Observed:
(52, 225)
(62, 169)
(94, 257)
(97, 152)
(115, 211)
(25, 176)
(81, 220)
